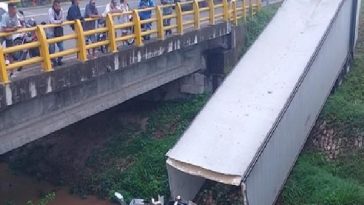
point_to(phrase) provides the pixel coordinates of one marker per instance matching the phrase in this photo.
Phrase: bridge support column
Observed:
(196, 83)
(219, 62)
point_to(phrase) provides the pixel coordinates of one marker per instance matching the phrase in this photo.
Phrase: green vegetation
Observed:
(133, 162)
(317, 180)
(256, 24)
(314, 180)
(44, 200)
(346, 107)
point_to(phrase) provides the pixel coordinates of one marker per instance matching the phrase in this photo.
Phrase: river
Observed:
(19, 189)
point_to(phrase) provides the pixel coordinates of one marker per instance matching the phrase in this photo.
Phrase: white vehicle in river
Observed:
(251, 131)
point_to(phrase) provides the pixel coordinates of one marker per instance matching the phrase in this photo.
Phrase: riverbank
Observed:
(330, 170)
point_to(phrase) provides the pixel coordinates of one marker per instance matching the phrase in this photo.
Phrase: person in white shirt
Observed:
(111, 7)
(124, 7)
(56, 16)
(10, 22)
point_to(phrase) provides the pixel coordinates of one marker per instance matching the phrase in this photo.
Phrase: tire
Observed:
(34, 52)
(103, 37)
(19, 55)
(103, 49)
(130, 41)
(146, 38)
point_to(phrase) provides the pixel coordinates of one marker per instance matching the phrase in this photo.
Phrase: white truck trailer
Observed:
(252, 130)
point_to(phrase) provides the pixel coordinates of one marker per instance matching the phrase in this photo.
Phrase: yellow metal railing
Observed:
(185, 15)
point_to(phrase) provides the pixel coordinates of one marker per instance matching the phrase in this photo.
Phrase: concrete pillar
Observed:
(219, 61)
(193, 84)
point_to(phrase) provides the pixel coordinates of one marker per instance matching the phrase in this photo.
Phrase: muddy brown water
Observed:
(19, 189)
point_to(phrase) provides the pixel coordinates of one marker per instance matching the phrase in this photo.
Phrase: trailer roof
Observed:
(226, 137)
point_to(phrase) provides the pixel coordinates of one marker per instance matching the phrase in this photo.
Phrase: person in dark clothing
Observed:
(74, 12)
(144, 15)
(167, 11)
(91, 12)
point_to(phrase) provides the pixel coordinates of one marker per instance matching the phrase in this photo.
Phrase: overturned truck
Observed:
(251, 131)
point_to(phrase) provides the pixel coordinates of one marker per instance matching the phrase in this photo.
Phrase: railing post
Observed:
(111, 33)
(226, 10)
(235, 16)
(160, 28)
(179, 18)
(244, 10)
(251, 8)
(196, 16)
(259, 4)
(211, 12)
(81, 43)
(44, 49)
(3, 72)
(137, 28)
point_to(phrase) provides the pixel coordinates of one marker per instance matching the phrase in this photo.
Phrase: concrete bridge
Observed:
(38, 104)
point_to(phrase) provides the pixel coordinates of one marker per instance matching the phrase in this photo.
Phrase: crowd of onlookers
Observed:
(91, 11)
(90, 19)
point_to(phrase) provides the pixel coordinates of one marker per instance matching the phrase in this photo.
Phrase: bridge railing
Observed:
(113, 28)
(184, 16)
(45, 42)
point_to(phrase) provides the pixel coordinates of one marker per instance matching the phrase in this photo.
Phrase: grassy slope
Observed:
(317, 180)
(133, 162)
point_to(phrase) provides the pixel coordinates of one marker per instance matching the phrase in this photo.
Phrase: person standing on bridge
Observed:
(111, 7)
(55, 15)
(91, 12)
(74, 12)
(144, 15)
(167, 11)
(125, 8)
(10, 23)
